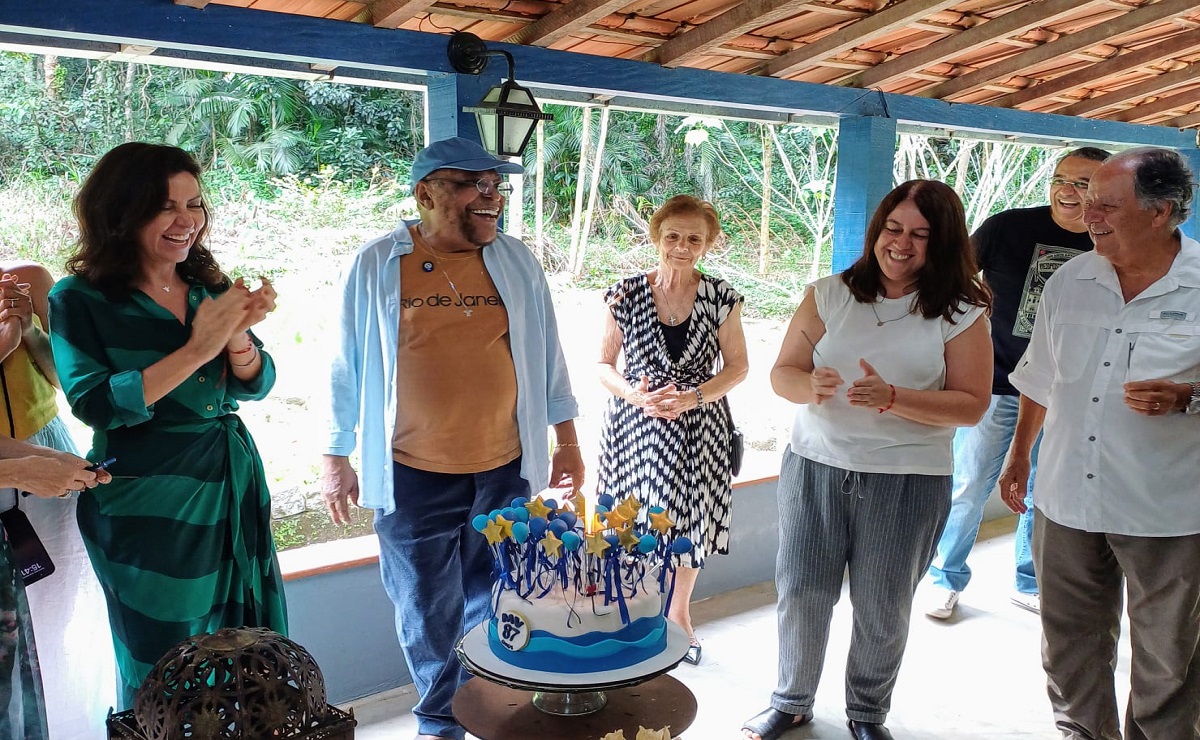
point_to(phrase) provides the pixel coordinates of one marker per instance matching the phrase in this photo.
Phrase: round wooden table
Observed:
(494, 712)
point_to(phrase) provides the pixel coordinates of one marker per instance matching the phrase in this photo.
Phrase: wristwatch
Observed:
(1193, 406)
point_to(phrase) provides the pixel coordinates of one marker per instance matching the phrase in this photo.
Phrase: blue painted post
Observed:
(866, 151)
(447, 95)
(1191, 227)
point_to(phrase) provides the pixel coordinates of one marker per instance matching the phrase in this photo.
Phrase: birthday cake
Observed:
(573, 597)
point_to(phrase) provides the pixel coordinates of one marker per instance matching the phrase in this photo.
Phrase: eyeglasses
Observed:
(1058, 182)
(484, 186)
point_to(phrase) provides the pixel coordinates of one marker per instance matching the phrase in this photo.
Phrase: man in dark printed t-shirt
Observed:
(1017, 250)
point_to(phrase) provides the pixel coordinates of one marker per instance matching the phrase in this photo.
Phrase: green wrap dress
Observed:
(181, 538)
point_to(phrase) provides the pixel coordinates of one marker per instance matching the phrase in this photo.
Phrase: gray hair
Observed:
(1161, 177)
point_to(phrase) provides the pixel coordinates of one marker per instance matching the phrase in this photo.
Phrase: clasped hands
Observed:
(221, 322)
(869, 391)
(15, 301)
(667, 402)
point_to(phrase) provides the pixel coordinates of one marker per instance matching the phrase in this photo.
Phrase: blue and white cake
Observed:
(576, 599)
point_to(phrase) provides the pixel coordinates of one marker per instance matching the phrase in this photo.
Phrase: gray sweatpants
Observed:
(884, 529)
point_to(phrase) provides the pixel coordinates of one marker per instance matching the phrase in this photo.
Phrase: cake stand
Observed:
(564, 700)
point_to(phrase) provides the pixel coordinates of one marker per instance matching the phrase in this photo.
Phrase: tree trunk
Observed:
(580, 182)
(539, 192)
(764, 220)
(50, 75)
(130, 73)
(593, 193)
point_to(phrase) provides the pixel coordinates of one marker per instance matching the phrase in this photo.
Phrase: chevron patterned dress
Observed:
(680, 465)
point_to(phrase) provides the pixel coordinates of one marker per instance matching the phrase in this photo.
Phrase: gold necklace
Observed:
(437, 261)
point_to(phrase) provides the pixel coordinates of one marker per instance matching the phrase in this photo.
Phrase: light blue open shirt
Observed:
(363, 374)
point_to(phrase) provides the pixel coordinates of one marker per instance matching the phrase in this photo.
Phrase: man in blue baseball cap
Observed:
(450, 368)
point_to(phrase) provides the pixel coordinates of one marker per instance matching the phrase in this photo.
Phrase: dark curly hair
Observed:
(124, 192)
(949, 277)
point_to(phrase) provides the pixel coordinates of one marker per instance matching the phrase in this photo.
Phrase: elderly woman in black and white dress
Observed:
(667, 434)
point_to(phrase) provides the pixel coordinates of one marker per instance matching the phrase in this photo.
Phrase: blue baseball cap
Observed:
(459, 154)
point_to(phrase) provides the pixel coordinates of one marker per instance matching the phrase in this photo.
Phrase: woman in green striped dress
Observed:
(154, 350)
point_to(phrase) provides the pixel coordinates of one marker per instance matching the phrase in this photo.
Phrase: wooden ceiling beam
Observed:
(1018, 21)
(897, 16)
(1144, 89)
(1088, 76)
(566, 20)
(633, 37)
(1090, 36)
(725, 27)
(1188, 121)
(392, 13)
(1179, 101)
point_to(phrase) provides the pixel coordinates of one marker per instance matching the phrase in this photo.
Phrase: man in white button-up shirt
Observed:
(1112, 371)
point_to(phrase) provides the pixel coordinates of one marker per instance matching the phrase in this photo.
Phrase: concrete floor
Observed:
(975, 677)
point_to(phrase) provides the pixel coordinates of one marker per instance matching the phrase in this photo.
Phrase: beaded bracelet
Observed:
(699, 396)
(891, 401)
(566, 444)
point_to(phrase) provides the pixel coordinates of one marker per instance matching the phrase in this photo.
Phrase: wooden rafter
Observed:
(1151, 86)
(1091, 36)
(1089, 75)
(1188, 121)
(847, 37)
(1179, 101)
(725, 27)
(392, 13)
(571, 17)
(1009, 24)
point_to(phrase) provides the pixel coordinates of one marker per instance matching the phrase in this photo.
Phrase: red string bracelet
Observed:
(241, 351)
(891, 401)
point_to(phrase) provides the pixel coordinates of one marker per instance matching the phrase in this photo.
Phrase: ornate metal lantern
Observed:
(235, 684)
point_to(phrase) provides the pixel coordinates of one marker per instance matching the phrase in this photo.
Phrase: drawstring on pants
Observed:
(853, 482)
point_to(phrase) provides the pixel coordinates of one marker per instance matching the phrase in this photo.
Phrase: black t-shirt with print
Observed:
(1018, 251)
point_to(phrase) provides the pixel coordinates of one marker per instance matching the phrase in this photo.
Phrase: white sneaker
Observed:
(942, 603)
(1029, 602)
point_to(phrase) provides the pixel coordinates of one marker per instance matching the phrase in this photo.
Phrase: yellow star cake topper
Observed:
(596, 544)
(660, 522)
(627, 538)
(538, 508)
(552, 544)
(505, 526)
(494, 533)
(615, 519)
(575, 498)
(629, 507)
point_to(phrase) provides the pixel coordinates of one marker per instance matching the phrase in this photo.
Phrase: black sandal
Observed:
(772, 723)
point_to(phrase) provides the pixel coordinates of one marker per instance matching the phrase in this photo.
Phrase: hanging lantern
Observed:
(508, 113)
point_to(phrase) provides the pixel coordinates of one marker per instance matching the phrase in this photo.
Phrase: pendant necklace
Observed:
(672, 314)
(881, 322)
(427, 267)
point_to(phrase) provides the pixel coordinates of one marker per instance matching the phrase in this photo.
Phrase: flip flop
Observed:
(772, 723)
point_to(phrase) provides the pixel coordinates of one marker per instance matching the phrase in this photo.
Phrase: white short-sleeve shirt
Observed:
(1102, 467)
(907, 351)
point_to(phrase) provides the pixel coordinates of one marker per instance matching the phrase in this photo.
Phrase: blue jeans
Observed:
(979, 454)
(437, 570)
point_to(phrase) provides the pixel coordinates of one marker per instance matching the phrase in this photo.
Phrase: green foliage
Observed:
(57, 115)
